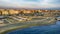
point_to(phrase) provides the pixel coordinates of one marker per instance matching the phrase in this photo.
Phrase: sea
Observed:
(44, 29)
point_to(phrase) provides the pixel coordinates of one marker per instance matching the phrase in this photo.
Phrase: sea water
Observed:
(47, 29)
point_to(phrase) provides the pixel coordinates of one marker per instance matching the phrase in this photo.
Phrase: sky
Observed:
(30, 3)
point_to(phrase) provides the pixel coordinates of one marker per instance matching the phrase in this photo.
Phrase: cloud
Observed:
(31, 3)
(32, 0)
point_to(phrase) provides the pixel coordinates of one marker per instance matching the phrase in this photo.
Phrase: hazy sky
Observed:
(30, 3)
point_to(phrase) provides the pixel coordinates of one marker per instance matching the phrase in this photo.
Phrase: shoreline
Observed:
(20, 27)
(52, 21)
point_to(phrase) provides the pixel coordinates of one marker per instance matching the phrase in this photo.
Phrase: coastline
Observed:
(27, 25)
(19, 27)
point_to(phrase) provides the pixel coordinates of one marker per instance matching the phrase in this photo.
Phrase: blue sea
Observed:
(47, 29)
